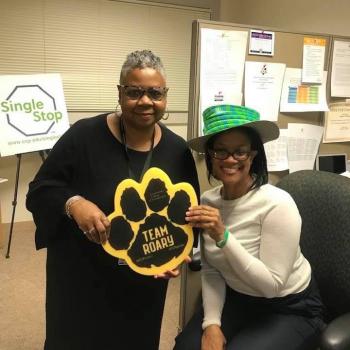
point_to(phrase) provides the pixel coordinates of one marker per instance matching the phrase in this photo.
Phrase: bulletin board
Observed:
(288, 49)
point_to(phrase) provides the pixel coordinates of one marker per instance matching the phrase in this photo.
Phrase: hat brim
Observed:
(267, 130)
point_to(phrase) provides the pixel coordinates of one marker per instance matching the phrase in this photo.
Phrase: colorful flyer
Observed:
(299, 97)
(313, 60)
(261, 42)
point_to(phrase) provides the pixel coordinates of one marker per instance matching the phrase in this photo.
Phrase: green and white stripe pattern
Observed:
(222, 117)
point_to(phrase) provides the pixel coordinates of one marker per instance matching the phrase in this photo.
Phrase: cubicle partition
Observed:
(288, 49)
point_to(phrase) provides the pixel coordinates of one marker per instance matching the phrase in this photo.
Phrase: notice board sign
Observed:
(33, 113)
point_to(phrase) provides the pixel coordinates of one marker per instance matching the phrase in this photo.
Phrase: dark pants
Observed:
(293, 322)
(92, 303)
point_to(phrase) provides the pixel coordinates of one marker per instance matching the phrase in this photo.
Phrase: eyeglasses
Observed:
(238, 154)
(136, 92)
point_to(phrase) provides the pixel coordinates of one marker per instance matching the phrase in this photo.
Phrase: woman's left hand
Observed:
(209, 218)
(172, 273)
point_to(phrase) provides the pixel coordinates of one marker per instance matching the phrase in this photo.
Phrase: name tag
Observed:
(121, 262)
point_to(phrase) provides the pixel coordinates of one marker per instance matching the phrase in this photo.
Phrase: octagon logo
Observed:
(31, 116)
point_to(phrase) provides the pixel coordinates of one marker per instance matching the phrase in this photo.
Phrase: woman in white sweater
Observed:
(257, 288)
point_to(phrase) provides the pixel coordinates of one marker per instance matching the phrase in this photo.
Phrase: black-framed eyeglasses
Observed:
(136, 92)
(238, 154)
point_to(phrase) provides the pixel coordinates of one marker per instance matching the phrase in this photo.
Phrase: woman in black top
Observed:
(93, 302)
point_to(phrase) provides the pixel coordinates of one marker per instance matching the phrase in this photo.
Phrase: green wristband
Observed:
(222, 243)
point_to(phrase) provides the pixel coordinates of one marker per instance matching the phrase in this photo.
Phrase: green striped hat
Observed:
(221, 118)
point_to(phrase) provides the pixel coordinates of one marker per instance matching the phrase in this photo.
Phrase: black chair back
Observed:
(323, 200)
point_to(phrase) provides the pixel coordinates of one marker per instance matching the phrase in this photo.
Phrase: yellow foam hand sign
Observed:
(148, 226)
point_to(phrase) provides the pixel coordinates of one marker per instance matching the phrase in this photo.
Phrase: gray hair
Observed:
(141, 59)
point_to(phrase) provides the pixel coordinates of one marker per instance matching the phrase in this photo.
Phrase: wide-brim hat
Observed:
(221, 118)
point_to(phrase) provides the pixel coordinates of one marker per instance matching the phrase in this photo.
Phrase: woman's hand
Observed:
(91, 220)
(206, 217)
(213, 338)
(172, 273)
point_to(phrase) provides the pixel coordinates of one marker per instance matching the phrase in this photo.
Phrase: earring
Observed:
(166, 116)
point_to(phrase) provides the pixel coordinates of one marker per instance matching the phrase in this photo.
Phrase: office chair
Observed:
(323, 200)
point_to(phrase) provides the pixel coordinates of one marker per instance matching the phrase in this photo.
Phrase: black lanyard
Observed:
(149, 153)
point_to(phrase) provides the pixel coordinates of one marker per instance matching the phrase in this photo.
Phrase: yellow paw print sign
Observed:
(148, 226)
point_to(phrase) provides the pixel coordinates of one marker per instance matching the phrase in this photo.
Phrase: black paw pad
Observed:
(134, 212)
(120, 234)
(156, 195)
(178, 207)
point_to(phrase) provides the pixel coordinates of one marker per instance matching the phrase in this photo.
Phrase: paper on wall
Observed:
(299, 97)
(276, 152)
(313, 60)
(340, 79)
(261, 42)
(337, 123)
(221, 68)
(262, 88)
(303, 143)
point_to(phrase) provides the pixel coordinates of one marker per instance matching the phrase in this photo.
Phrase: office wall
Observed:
(325, 16)
(229, 10)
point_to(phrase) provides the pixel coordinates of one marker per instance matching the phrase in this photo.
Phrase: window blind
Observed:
(86, 41)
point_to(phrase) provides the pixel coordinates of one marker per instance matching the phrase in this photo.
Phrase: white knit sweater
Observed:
(262, 255)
